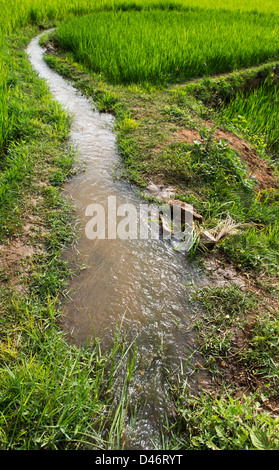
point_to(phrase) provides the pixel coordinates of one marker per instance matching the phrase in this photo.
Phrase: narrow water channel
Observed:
(141, 283)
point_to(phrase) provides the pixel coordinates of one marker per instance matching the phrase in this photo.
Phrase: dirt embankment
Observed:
(259, 168)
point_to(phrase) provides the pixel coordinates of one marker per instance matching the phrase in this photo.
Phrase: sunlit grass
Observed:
(256, 113)
(164, 46)
(16, 13)
(56, 396)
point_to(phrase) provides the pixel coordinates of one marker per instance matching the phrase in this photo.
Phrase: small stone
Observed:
(50, 48)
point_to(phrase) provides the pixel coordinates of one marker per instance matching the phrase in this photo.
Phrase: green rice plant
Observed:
(162, 46)
(255, 113)
(16, 13)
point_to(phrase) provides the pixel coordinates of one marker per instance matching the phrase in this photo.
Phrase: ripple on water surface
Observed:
(143, 281)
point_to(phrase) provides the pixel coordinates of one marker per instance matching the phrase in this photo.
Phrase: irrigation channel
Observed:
(140, 284)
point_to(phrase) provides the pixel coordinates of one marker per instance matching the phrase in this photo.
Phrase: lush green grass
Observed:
(162, 46)
(222, 309)
(255, 113)
(29, 113)
(55, 396)
(5, 123)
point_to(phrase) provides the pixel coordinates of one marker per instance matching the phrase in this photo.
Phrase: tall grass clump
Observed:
(54, 395)
(3, 101)
(256, 113)
(161, 46)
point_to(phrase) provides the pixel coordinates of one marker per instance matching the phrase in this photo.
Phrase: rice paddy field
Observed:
(184, 79)
(169, 46)
(18, 13)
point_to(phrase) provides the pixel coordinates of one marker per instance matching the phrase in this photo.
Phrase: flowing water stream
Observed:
(141, 283)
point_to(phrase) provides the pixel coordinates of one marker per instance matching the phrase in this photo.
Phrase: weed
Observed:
(210, 422)
(223, 308)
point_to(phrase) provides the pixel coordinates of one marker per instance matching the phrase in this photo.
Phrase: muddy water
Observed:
(138, 282)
